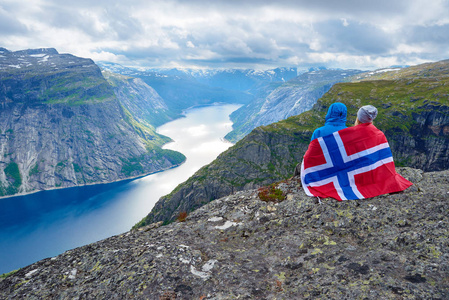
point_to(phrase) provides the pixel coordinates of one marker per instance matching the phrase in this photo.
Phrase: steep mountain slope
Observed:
(240, 247)
(141, 100)
(413, 113)
(413, 106)
(291, 98)
(61, 125)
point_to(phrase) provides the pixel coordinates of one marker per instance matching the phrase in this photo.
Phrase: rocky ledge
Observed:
(239, 247)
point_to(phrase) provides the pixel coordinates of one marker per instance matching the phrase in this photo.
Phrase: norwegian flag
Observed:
(353, 163)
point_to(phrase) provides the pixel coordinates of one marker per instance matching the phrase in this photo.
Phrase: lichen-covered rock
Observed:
(238, 247)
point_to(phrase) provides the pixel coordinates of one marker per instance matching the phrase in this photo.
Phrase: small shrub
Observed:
(182, 216)
(13, 173)
(77, 168)
(34, 170)
(271, 194)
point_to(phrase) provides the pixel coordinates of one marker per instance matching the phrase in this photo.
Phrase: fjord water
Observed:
(45, 224)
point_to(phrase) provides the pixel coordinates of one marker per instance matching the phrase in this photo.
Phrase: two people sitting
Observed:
(349, 163)
(336, 118)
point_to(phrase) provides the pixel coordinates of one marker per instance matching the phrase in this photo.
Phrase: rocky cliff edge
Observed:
(389, 247)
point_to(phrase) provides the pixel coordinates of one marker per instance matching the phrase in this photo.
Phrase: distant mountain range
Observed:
(269, 96)
(244, 80)
(180, 89)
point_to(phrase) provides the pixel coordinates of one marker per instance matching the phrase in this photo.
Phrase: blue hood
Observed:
(336, 113)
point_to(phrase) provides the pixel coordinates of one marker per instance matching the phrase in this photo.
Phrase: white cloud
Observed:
(343, 60)
(107, 56)
(357, 34)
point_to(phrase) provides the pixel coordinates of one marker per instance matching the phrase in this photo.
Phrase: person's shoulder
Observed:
(317, 133)
(363, 130)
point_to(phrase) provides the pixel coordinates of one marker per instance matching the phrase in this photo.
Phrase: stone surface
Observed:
(238, 247)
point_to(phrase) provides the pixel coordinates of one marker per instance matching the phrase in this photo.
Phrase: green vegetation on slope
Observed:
(153, 142)
(14, 178)
(77, 91)
(141, 100)
(396, 100)
(70, 80)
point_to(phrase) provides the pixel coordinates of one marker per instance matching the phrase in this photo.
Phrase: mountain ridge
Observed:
(141, 100)
(281, 101)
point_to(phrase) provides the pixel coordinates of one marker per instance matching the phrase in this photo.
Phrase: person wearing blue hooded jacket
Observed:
(335, 120)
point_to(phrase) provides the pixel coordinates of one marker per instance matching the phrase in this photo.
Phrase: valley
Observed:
(68, 123)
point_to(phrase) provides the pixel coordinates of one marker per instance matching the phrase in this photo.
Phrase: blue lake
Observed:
(47, 223)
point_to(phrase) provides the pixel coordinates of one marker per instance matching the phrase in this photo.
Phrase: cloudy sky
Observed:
(233, 33)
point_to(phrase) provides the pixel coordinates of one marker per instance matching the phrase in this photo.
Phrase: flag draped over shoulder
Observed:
(353, 163)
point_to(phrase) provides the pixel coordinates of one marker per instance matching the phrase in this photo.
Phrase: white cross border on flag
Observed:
(346, 158)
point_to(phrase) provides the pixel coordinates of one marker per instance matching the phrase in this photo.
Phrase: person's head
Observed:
(366, 114)
(337, 112)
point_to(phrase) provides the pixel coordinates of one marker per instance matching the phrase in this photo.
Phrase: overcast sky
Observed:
(233, 33)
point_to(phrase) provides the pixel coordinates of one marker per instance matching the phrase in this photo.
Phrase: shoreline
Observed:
(91, 183)
(89, 189)
(133, 177)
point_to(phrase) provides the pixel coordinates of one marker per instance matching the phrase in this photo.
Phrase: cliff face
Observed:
(61, 125)
(141, 100)
(280, 101)
(413, 113)
(388, 247)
